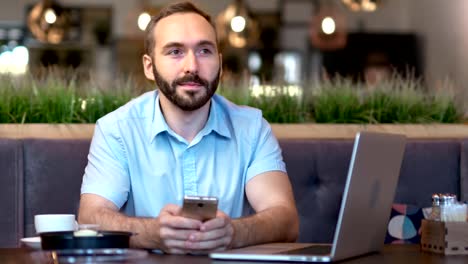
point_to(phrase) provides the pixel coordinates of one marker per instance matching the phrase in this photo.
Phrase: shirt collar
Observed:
(217, 120)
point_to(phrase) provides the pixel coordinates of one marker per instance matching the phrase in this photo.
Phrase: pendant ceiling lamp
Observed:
(48, 22)
(147, 11)
(328, 27)
(362, 5)
(235, 26)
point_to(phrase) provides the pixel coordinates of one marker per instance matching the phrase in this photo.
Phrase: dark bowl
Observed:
(66, 240)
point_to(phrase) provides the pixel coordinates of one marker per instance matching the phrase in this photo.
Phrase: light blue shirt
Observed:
(140, 164)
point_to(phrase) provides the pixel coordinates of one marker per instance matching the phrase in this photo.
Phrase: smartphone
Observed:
(202, 208)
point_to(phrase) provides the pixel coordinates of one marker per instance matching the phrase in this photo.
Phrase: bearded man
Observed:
(183, 139)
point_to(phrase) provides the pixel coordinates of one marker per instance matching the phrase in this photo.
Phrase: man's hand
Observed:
(169, 231)
(213, 235)
(175, 230)
(180, 235)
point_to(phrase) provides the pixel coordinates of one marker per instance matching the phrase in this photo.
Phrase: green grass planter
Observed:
(56, 100)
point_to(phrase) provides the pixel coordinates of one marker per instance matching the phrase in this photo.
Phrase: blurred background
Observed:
(289, 42)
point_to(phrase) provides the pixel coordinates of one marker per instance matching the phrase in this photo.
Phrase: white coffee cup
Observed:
(54, 222)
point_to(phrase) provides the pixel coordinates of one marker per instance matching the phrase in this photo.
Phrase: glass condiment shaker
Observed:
(447, 203)
(435, 213)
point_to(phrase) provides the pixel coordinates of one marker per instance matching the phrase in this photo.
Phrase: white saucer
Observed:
(32, 242)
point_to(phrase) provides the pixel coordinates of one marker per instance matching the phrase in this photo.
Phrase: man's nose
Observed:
(191, 63)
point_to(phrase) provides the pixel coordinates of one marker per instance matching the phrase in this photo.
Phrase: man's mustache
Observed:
(193, 78)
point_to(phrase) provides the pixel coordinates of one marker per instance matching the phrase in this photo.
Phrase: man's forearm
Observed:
(145, 229)
(275, 224)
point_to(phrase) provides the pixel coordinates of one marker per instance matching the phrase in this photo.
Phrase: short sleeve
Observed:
(106, 173)
(267, 153)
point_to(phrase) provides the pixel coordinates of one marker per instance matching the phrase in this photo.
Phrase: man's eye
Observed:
(175, 52)
(206, 51)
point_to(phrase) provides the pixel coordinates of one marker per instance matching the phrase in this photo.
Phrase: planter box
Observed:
(47, 131)
(348, 131)
(282, 131)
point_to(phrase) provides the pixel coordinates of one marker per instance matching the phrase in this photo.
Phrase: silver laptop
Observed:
(365, 208)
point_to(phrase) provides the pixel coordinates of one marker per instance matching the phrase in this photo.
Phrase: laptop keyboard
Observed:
(312, 250)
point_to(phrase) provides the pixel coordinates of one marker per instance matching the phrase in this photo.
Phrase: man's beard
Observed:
(192, 100)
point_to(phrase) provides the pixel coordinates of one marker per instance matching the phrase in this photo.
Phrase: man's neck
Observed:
(187, 124)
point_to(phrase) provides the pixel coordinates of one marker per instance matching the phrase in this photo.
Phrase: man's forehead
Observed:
(182, 27)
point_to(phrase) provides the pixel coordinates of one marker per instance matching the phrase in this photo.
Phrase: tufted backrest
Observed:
(429, 166)
(318, 170)
(53, 171)
(464, 170)
(11, 194)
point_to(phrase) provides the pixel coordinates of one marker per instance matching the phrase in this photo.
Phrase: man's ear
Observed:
(148, 67)
(220, 66)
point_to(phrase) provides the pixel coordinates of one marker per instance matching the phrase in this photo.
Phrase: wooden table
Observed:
(400, 254)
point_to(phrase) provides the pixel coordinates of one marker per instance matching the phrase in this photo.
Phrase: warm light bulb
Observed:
(328, 25)
(236, 40)
(369, 6)
(5, 60)
(50, 16)
(361, 5)
(20, 59)
(238, 24)
(21, 55)
(143, 21)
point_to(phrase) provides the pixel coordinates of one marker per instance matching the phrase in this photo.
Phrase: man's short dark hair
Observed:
(181, 7)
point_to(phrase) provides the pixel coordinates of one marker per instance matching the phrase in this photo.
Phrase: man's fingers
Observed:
(170, 209)
(208, 245)
(176, 251)
(195, 241)
(182, 235)
(179, 234)
(210, 235)
(176, 244)
(215, 223)
(179, 222)
(206, 252)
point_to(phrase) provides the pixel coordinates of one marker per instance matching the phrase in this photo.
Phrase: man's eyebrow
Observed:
(180, 45)
(172, 45)
(206, 43)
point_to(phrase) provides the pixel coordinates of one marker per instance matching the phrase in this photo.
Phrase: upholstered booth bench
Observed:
(40, 175)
